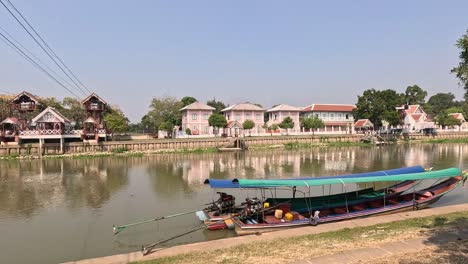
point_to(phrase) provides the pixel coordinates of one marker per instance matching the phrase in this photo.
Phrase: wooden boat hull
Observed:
(214, 222)
(423, 200)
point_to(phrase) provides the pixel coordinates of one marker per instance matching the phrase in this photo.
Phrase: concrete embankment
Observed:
(236, 241)
(163, 145)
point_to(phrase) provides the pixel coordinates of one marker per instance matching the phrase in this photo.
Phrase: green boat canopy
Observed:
(451, 172)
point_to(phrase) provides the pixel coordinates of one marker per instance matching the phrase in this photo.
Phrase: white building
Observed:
(336, 117)
(416, 119)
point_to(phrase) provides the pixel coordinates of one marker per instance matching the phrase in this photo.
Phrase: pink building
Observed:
(277, 114)
(238, 113)
(195, 116)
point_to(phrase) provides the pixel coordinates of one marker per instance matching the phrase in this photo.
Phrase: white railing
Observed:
(49, 132)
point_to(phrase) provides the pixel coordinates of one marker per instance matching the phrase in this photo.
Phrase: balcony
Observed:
(30, 106)
(94, 107)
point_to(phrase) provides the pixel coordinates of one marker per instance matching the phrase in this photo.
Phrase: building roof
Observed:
(458, 116)
(243, 106)
(54, 112)
(32, 97)
(363, 123)
(10, 120)
(197, 106)
(90, 120)
(413, 109)
(329, 108)
(233, 124)
(284, 107)
(91, 96)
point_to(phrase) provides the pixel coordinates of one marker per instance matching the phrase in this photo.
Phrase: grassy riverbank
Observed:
(444, 140)
(305, 247)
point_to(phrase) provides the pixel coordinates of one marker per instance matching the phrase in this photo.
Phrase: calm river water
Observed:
(63, 209)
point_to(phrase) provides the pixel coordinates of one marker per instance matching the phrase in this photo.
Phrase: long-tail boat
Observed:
(224, 208)
(396, 202)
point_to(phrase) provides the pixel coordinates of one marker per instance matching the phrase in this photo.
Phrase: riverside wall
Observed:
(185, 144)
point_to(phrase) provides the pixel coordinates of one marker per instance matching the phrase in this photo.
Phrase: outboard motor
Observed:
(252, 206)
(224, 204)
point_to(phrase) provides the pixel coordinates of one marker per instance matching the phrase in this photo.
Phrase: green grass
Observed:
(285, 250)
(446, 140)
(298, 145)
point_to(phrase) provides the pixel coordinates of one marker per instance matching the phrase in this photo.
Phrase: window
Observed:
(237, 116)
(207, 130)
(274, 117)
(194, 116)
(247, 116)
(347, 116)
(194, 128)
(340, 116)
(206, 116)
(257, 117)
(316, 115)
(332, 116)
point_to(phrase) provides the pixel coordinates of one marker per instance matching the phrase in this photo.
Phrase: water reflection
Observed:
(28, 186)
(72, 203)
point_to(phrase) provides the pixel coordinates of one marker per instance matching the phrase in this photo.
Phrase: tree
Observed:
(444, 119)
(415, 95)
(287, 123)
(440, 102)
(377, 105)
(167, 126)
(162, 110)
(72, 110)
(217, 121)
(188, 131)
(461, 71)
(248, 125)
(312, 123)
(116, 122)
(218, 105)
(186, 100)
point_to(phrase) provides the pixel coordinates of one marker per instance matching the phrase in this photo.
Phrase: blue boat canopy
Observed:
(216, 183)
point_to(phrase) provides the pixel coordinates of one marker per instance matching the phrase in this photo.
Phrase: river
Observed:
(57, 210)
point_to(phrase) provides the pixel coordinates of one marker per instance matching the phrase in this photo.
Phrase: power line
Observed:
(34, 56)
(17, 49)
(45, 43)
(37, 41)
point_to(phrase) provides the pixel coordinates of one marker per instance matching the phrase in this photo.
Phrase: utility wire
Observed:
(34, 56)
(48, 47)
(38, 43)
(13, 45)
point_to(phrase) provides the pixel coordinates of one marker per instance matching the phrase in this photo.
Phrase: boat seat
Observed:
(426, 194)
(376, 204)
(358, 207)
(392, 202)
(297, 216)
(340, 210)
(271, 219)
(324, 213)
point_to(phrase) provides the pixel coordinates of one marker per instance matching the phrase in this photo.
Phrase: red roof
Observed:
(363, 123)
(458, 116)
(416, 117)
(329, 108)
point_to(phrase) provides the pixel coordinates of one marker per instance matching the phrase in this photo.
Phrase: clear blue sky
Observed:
(268, 52)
